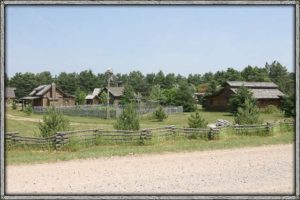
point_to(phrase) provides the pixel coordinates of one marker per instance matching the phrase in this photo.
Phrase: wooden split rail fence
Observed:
(125, 136)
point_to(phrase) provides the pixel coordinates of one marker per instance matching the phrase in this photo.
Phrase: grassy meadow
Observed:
(28, 125)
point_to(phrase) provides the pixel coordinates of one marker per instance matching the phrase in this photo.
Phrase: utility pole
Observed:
(109, 73)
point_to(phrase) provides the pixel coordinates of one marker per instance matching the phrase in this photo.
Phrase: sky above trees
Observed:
(174, 39)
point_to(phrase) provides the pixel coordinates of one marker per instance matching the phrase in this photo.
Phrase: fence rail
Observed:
(125, 136)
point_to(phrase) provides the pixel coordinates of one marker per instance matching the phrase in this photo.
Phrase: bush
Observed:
(128, 119)
(28, 110)
(248, 113)
(197, 121)
(288, 106)
(160, 114)
(14, 105)
(53, 122)
(270, 109)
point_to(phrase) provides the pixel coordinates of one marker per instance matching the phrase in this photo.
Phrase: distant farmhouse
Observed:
(265, 93)
(9, 94)
(47, 95)
(94, 97)
(115, 94)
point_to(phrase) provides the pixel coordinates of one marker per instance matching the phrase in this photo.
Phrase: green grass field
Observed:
(28, 125)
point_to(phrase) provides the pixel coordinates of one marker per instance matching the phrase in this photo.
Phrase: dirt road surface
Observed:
(258, 170)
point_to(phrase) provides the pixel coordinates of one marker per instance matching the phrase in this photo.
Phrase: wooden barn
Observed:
(265, 93)
(48, 95)
(115, 94)
(93, 98)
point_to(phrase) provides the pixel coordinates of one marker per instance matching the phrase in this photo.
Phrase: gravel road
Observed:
(258, 170)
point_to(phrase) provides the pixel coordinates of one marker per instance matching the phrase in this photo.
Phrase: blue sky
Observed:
(177, 39)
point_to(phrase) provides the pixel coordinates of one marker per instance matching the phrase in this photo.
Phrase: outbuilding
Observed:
(265, 93)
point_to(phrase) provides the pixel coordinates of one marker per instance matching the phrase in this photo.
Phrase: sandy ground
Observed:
(258, 170)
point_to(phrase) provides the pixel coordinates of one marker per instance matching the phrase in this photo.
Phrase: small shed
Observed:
(93, 98)
(48, 95)
(265, 93)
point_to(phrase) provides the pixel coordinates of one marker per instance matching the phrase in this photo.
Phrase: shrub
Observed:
(160, 114)
(128, 119)
(248, 113)
(53, 122)
(14, 105)
(197, 121)
(270, 109)
(28, 110)
(288, 106)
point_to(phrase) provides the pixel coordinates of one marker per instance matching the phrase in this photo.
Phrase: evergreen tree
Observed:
(248, 113)
(128, 119)
(239, 98)
(197, 121)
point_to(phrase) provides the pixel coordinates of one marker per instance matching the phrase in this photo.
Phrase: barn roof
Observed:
(43, 89)
(116, 91)
(10, 92)
(94, 94)
(252, 84)
(264, 93)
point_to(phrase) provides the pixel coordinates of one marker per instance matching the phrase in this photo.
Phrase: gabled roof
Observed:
(252, 84)
(96, 91)
(43, 89)
(94, 94)
(10, 92)
(116, 91)
(263, 93)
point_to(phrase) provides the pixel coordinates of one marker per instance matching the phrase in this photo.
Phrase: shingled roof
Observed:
(264, 93)
(252, 84)
(94, 94)
(116, 91)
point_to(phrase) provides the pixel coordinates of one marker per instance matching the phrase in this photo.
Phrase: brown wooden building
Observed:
(115, 94)
(94, 97)
(48, 95)
(265, 93)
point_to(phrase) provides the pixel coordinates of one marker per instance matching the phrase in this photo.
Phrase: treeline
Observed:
(169, 89)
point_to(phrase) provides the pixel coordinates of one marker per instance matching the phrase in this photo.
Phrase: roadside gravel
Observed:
(256, 170)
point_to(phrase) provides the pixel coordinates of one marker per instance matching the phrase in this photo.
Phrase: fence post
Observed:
(211, 134)
(58, 140)
(172, 129)
(269, 128)
(143, 136)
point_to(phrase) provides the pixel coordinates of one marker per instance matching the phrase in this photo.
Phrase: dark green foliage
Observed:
(197, 121)
(67, 82)
(288, 106)
(247, 113)
(238, 100)
(157, 94)
(128, 119)
(14, 105)
(279, 75)
(184, 97)
(24, 83)
(53, 122)
(80, 97)
(128, 95)
(28, 110)
(160, 114)
(255, 74)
